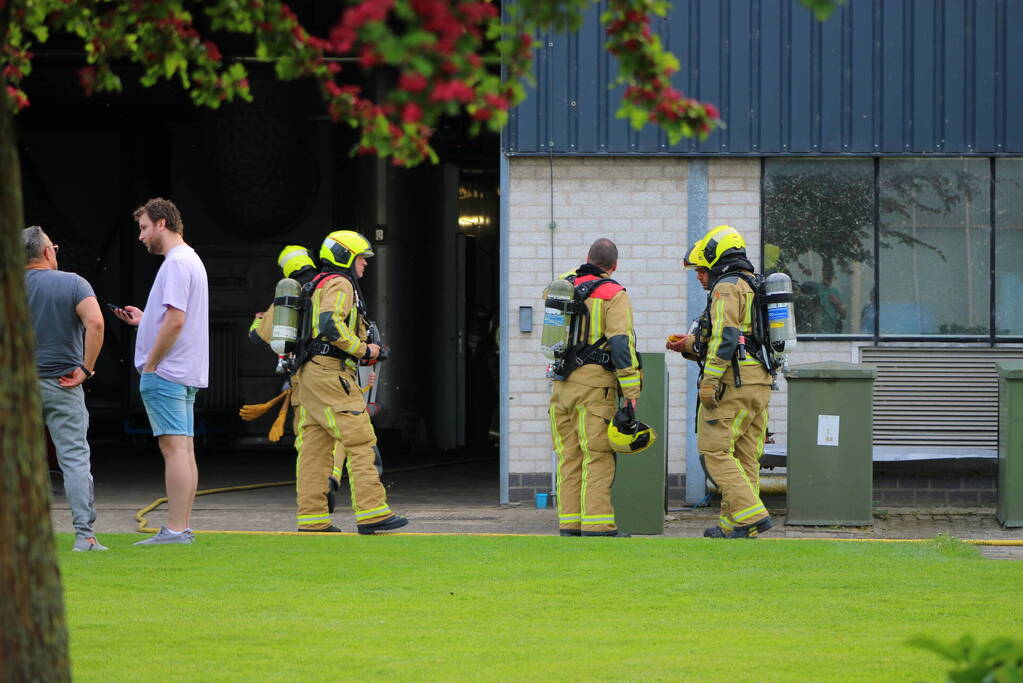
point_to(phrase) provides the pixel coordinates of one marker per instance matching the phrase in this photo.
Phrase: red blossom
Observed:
(482, 114)
(87, 79)
(19, 98)
(411, 113)
(451, 90)
(368, 58)
(477, 12)
(344, 33)
(412, 82)
(712, 111)
(496, 101)
(212, 50)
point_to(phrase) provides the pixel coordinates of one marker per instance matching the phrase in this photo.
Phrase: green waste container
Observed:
(830, 444)
(638, 492)
(1010, 443)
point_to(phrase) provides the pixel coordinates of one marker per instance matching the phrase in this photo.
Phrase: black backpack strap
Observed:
(586, 289)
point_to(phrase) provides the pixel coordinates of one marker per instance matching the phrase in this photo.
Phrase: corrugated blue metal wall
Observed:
(879, 77)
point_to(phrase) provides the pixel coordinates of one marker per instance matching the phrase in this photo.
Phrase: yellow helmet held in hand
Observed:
(719, 241)
(628, 435)
(342, 246)
(294, 258)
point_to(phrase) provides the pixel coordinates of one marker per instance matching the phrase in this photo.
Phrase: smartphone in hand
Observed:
(114, 308)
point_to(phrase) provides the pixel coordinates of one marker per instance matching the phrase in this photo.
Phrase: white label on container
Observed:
(286, 332)
(827, 430)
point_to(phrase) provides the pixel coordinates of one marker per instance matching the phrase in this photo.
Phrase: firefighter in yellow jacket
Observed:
(331, 405)
(296, 263)
(584, 403)
(735, 384)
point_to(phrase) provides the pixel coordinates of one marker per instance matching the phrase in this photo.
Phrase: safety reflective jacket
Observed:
(730, 309)
(335, 316)
(610, 313)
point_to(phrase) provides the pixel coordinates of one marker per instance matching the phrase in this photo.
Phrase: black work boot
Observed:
(391, 523)
(329, 530)
(332, 486)
(748, 531)
(615, 533)
(569, 532)
(753, 530)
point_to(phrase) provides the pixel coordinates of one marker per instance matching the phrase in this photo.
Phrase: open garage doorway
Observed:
(249, 179)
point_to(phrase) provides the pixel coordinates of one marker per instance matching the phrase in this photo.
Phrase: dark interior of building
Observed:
(250, 178)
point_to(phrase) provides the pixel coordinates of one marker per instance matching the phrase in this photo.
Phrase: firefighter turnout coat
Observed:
(730, 435)
(332, 410)
(583, 405)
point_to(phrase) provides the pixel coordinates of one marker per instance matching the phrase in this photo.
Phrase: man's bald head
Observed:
(603, 254)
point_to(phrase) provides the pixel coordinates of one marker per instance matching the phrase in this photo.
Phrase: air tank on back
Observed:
(287, 295)
(781, 319)
(557, 319)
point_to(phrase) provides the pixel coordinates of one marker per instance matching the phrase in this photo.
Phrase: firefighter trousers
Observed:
(332, 414)
(586, 466)
(730, 438)
(339, 452)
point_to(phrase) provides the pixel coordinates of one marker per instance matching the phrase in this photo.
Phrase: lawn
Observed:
(295, 608)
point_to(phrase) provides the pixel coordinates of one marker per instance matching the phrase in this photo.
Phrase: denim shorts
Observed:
(170, 406)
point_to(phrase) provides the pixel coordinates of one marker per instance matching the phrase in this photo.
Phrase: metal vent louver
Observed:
(936, 397)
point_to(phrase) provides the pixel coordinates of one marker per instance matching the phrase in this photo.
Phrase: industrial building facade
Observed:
(876, 157)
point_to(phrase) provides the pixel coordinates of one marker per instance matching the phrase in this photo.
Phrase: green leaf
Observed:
(935, 646)
(172, 61)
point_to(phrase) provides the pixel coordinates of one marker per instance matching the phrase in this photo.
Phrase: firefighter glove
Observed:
(709, 392)
(682, 343)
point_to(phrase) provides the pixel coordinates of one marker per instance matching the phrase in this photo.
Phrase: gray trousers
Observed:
(68, 421)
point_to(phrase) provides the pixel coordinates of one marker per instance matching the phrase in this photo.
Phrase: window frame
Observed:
(990, 339)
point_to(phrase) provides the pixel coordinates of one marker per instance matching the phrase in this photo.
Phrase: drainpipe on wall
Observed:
(504, 327)
(696, 301)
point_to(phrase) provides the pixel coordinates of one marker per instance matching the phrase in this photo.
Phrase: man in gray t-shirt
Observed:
(69, 333)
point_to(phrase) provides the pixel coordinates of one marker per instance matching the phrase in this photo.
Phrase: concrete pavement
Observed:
(445, 495)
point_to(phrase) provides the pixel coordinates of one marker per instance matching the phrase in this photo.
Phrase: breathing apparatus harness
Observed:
(585, 281)
(757, 344)
(307, 347)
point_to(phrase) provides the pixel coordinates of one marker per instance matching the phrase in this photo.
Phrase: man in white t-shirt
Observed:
(172, 354)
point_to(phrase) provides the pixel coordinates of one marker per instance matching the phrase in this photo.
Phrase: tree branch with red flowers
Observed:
(446, 57)
(646, 68)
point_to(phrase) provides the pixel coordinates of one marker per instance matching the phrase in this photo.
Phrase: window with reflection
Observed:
(1009, 247)
(819, 228)
(935, 247)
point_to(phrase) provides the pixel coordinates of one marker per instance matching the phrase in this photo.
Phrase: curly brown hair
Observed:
(158, 208)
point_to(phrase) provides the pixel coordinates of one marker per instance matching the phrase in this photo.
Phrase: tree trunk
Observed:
(33, 635)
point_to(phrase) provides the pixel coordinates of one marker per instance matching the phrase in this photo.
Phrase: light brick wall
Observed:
(734, 199)
(641, 204)
(638, 203)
